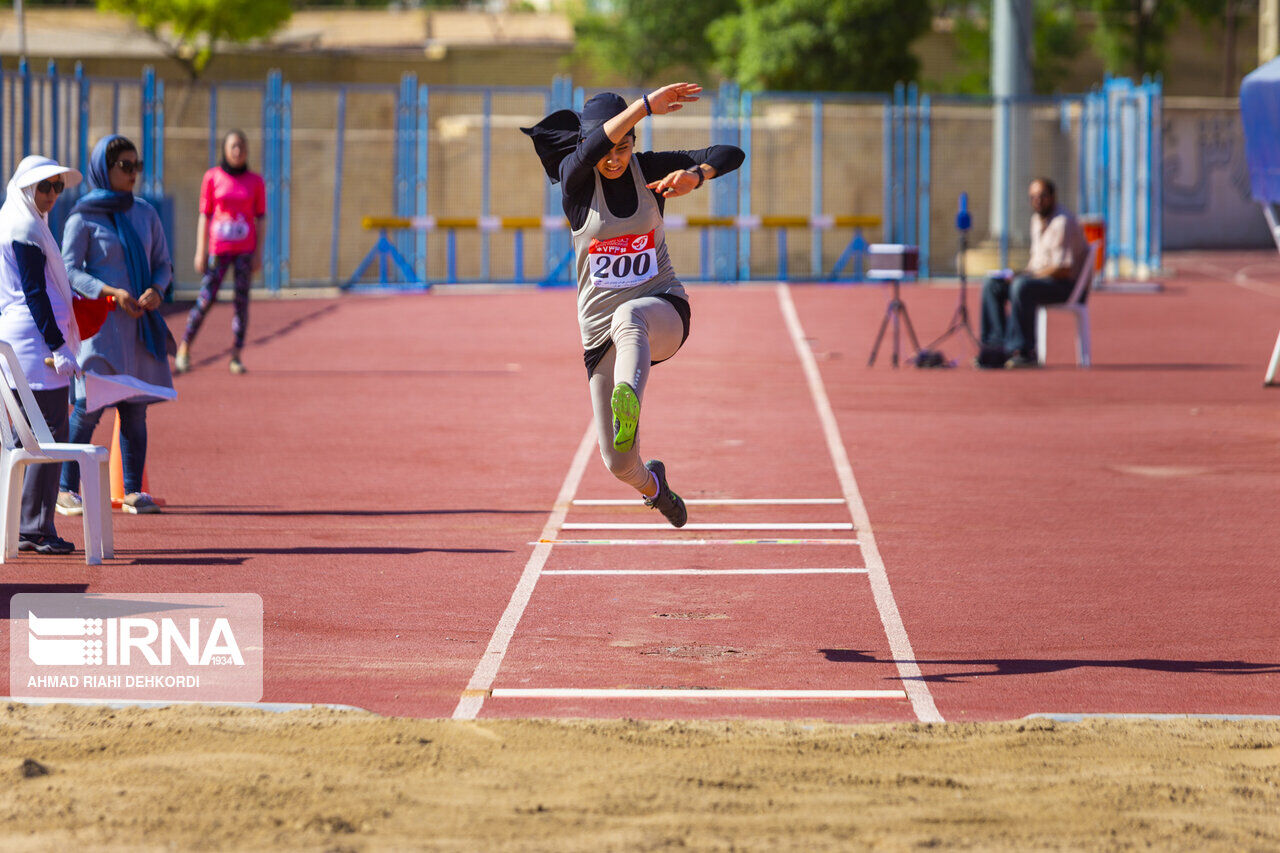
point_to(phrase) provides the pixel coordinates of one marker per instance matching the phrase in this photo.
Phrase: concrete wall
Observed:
(1206, 178)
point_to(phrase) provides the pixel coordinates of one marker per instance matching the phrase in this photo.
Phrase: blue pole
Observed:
(424, 176)
(926, 180)
(10, 86)
(886, 168)
(899, 163)
(82, 120)
(339, 145)
(272, 176)
(911, 187)
(68, 120)
(815, 209)
(286, 183)
(148, 127)
(1157, 161)
(25, 73)
(551, 250)
(646, 136)
(744, 188)
(159, 126)
(54, 136)
(39, 84)
(1104, 174)
(406, 157)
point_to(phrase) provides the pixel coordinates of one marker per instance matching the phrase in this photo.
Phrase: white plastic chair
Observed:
(25, 424)
(1077, 305)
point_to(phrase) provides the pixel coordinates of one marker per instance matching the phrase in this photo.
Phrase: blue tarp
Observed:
(1260, 112)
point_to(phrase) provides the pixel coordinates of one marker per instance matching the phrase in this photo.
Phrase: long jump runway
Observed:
(864, 543)
(761, 601)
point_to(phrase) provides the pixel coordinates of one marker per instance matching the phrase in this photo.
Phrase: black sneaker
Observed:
(667, 501)
(44, 544)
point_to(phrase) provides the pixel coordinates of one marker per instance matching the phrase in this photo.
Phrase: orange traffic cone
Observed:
(117, 471)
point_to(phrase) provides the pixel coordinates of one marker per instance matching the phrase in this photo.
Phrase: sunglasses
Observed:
(129, 166)
(46, 186)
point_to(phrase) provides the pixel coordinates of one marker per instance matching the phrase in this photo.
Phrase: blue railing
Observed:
(1113, 134)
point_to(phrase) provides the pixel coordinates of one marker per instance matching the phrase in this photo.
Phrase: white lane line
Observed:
(797, 525)
(686, 693)
(612, 572)
(721, 502)
(696, 542)
(899, 644)
(487, 669)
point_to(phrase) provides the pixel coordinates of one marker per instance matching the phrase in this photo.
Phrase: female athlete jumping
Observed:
(632, 309)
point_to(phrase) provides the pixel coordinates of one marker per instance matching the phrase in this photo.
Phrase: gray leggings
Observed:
(643, 331)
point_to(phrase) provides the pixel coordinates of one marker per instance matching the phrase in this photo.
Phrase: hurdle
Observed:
(387, 256)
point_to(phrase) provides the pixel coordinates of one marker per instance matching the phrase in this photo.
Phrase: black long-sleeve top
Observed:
(31, 260)
(578, 185)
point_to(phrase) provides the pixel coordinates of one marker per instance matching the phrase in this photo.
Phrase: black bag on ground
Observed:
(990, 356)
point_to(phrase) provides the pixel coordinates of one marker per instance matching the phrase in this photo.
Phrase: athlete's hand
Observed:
(126, 303)
(64, 361)
(678, 183)
(670, 98)
(150, 300)
(201, 263)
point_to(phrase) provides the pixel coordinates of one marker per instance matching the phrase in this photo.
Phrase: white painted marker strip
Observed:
(696, 542)
(686, 693)
(799, 525)
(613, 572)
(899, 644)
(721, 502)
(487, 669)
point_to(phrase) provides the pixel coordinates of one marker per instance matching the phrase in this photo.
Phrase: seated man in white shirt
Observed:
(1058, 253)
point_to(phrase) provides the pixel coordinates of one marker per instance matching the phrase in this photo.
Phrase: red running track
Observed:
(1054, 541)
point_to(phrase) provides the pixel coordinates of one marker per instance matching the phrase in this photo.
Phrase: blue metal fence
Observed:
(444, 155)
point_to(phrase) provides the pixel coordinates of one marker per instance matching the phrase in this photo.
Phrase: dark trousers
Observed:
(40, 483)
(217, 270)
(133, 442)
(1016, 332)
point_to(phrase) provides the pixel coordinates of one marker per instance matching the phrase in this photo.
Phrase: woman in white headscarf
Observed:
(37, 320)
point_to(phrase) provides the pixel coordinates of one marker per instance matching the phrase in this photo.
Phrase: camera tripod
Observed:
(895, 309)
(960, 319)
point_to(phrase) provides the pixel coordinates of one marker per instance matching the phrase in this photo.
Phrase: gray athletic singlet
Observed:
(609, 267)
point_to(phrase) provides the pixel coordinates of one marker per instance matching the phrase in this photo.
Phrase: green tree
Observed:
(1230, 14)
(189, 30)
(820, 45)
(1130, 35)
(641, 40)
(1056, 40)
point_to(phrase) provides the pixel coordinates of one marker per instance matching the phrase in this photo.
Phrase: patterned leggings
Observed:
(217, 269)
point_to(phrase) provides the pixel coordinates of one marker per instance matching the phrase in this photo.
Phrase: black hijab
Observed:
(557, 135)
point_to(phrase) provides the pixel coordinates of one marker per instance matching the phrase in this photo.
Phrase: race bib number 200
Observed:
(622, 261)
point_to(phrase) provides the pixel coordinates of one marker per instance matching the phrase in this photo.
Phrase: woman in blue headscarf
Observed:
(114, 245)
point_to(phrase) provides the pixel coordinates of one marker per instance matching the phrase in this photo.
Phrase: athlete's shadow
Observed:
(986, 667)
(354, 513)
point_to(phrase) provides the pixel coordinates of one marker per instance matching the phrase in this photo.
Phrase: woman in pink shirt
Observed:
(233, 201)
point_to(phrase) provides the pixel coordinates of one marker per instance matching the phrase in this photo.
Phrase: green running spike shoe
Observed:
(667, 502)
(626, 417)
